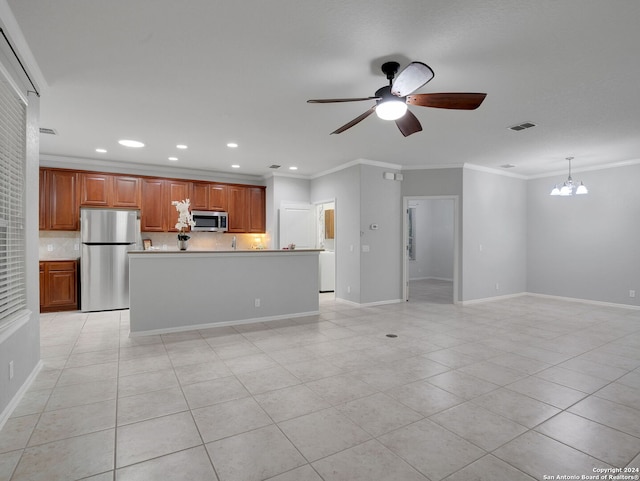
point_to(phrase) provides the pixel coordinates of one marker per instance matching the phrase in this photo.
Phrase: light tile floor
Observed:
(509, 390)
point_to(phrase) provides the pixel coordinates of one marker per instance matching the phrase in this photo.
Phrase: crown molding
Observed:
(373, 163)
(613, 165)
(489, 170)
(78, 163)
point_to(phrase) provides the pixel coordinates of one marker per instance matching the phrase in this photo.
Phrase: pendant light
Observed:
(569, 187)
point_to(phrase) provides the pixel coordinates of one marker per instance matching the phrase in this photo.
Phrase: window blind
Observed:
(12, 182)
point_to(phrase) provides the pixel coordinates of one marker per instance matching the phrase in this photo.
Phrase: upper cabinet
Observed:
(126, 191)
(106, 190)
(208, 196)
(58, 200)
(175, 190)
(157, 214)
(152, 209)
(257, 208)
(62, 192)
(246, 209)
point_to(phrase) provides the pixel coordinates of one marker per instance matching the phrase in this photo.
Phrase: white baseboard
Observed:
(197, 327)
(369, 304)
(491, 299)
(549, 296)
(4, 416)
(584, 301)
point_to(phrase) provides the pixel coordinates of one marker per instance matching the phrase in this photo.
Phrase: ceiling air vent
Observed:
(522, 126)
(274, 166)
(44, 130)
(508, 166)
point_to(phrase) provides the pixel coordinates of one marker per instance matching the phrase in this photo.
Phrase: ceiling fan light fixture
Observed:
(391, 109)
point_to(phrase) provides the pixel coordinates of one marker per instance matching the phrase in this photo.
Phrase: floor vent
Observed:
(274, 166)
(44, 130)
(522, 126)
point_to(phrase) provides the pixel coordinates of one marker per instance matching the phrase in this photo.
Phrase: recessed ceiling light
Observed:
(131, 143)
(235, 166)
(232, 145)
(101, 151)
(293, 167)
(173, 159)
(181, 146)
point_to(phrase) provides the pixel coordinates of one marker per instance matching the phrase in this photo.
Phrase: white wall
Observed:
(344, 187)
(495, 243)
(23, 346)
(586, 247)
(381, 265)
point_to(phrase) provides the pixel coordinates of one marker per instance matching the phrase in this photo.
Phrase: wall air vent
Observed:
(522, 126)
(44, 130)
(274, 166)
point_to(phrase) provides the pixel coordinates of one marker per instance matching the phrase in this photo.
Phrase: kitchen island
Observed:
(173, 291)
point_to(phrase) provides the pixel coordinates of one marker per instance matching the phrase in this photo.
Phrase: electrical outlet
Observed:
(348, 289)
(497, 286)
(256, 302)
(49, 247)
(632, 293)
(10, 370)
(76, 247)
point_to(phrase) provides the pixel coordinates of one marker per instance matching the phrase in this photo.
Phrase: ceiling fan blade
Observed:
(355, 121)
(408, 124)
(333, 101)
(460, 101)
(414, 76)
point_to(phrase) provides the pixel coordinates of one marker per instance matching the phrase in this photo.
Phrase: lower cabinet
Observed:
(58, 286)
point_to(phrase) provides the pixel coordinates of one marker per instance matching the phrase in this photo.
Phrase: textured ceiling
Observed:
(205, 73)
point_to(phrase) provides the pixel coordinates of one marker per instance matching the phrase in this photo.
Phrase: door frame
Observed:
(405, 241)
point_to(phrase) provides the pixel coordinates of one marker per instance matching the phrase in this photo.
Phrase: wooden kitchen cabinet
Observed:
(95, 189)
(175, 190)
(208, 196)
(58, 285)
(106, 190)
(246, 208)
(256, 201)
(238, 209)
(152, 210)
(59, 200)
(43, 200)
(63, 191)
(199, 196)
(157, 213)
(218, 197)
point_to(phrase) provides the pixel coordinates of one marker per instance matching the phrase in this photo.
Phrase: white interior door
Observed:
(297, 226)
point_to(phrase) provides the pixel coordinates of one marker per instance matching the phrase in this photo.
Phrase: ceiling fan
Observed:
(392, 100)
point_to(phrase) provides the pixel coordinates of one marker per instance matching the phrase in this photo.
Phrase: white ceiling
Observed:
(205, 72)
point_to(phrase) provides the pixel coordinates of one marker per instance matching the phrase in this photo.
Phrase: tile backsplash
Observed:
(59, 245)
(66, 245)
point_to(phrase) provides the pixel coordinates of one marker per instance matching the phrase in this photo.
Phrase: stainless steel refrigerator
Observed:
(106, 236)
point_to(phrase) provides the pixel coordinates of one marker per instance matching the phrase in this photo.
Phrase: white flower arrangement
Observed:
(185, 219)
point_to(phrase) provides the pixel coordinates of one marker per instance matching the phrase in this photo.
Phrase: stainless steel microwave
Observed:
(208, 221)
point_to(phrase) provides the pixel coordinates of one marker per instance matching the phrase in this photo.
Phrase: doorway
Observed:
(430, 267)
(312, 226)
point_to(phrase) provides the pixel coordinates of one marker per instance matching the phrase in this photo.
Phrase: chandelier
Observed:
(570, 187)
